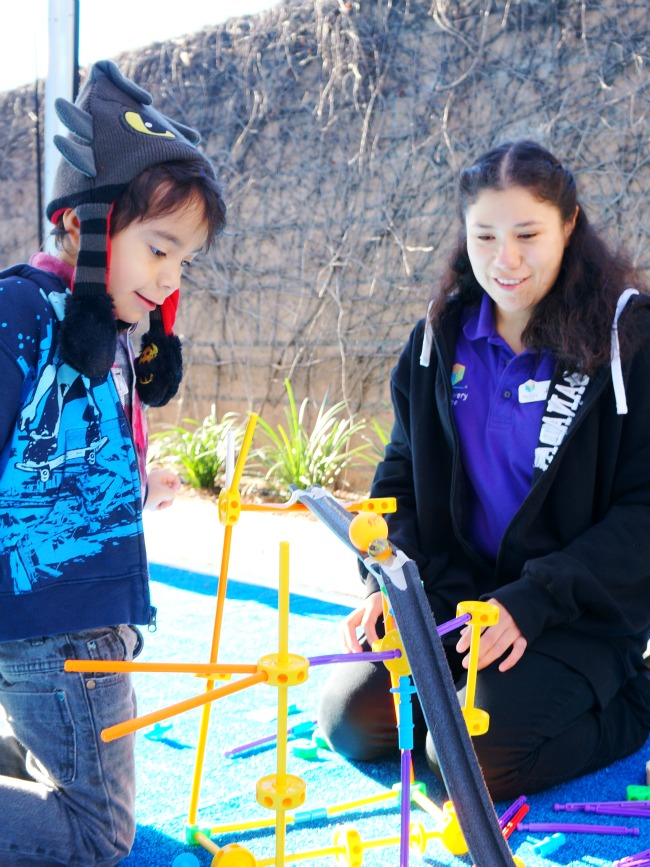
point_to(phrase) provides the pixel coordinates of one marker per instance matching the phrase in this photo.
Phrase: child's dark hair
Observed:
(168, 187)
(574, 320)
(162, 189)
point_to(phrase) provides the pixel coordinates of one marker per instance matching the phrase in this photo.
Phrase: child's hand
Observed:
(162, 487)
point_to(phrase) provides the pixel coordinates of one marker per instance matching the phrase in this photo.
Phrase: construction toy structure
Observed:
(466, 822)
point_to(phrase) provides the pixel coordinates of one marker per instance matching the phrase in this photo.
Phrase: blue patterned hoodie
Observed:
(72, 553)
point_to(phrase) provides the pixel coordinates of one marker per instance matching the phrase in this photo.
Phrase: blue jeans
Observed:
(66, 797)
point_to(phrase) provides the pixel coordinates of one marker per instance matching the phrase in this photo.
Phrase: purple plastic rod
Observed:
(378, 656)
(636, 812)
(456, 623)
(637, 858)
(512, 809)
(568, 828)
(354, 657)
(583, 806)
(299, 728)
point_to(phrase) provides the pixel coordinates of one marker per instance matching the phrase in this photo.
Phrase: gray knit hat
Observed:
(115, 134)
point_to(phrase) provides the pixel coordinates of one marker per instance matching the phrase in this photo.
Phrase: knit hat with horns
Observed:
(115, 134)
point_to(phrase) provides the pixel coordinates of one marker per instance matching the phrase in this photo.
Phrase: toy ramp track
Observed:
(436, 691)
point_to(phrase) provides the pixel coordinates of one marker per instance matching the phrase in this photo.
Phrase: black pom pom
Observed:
(159, 369)
(88, 334)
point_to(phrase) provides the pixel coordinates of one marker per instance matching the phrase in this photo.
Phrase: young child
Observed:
(134, 202)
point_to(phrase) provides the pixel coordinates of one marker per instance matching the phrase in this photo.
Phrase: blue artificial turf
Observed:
(166, 753)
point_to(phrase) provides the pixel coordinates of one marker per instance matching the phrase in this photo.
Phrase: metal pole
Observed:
(39, 165)
(62, 81)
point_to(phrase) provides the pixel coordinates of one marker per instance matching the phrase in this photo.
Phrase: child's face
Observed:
(148, 257)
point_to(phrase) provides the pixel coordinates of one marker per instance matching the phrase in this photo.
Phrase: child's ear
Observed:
(72, 228)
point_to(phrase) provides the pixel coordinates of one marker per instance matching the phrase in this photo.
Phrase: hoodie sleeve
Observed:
(11, 383)
(24, 311)
(599, 582)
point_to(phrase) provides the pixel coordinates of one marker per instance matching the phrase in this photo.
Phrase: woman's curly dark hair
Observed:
(574, 320)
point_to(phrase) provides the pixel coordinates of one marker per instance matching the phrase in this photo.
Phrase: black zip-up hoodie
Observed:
(573, 567)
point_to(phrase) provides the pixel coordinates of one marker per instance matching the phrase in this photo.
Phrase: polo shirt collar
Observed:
(480, 324)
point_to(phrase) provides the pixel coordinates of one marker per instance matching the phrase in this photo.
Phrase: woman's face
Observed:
(515, 244)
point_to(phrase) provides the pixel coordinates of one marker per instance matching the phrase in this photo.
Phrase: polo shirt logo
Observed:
(457, 374)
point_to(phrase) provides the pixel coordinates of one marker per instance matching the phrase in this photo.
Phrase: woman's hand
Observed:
(365, 617)
(495, 641)
(162, 487)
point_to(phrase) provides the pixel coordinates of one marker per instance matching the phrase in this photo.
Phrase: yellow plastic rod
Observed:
(303, 856)
(218, 620)
(214, 654)
(362, 802)
(426, 804)
(337, 851)
(243, 452)
(381, 842)
(483, 614)
(283, 700)
(253, 825)
(207, 843)
(382, 505)
(273, 507)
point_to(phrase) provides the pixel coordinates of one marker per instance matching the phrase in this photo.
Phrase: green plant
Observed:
(297, 457)
(197, 450)
(378, 447)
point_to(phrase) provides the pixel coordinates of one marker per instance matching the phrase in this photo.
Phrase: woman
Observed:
(520, 460)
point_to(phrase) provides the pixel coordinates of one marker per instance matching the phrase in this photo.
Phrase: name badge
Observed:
(532, 391)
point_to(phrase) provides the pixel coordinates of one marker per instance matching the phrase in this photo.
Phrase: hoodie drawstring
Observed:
(617, 370)
(427, 343)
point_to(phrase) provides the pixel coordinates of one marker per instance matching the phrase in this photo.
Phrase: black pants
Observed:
(546, 726)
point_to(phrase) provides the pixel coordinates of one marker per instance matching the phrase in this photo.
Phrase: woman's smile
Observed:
(508, 231)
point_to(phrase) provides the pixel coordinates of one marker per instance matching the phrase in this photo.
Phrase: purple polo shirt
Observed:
(498, 402)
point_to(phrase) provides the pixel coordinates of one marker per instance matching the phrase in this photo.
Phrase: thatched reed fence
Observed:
(337, 128)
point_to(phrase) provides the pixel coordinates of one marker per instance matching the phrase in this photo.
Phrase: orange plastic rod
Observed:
(132, 725)
(204, 669)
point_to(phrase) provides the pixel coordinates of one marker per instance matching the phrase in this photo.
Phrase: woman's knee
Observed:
(356, 712)
(501, 774)
(504, 769)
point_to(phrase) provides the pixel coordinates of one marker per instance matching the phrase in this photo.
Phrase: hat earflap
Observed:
(159, 367)
(88, 332)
